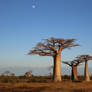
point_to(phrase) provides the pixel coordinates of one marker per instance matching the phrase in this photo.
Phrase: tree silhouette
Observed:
(53, 47)
(85, 58)
(73, 64)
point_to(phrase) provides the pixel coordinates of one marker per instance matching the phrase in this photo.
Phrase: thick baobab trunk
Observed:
(74, 73)
(86, 74)
(57, 67)
(54, 67)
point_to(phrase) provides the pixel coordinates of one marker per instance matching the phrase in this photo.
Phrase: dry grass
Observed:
(42, 84)
(64, 86)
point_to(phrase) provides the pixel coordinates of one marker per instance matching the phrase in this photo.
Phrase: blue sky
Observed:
(22, 26)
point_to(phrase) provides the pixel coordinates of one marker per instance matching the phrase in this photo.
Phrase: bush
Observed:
(66, 77)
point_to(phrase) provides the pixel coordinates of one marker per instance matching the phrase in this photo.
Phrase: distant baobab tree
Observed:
(85, 58)
(6, 73)
(50, 67)
(28, 74)
(53, 47)
(73, 64)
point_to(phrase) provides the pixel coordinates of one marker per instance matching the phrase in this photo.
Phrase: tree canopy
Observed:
(49, 47)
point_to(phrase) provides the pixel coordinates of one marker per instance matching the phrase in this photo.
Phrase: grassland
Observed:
(42, 85)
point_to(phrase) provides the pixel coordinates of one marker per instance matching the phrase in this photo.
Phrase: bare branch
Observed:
(68, 63)
(84, 57)
(51, 46)
(75, 62)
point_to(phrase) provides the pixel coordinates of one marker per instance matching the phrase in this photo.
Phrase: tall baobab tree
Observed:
(53, 47)
(85, 58)
(73, 64)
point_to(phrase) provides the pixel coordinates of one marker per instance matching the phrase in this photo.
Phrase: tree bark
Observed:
(74, 73)
(54, 65)
(86, 74)
(57, 67)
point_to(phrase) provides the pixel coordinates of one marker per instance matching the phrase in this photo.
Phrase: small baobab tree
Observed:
(50, 68)
(6, 73)
(85, 58)
(28, 74)
(73, 64)
(53, 47)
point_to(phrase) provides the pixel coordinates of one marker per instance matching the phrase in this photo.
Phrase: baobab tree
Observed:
(85, 58)
(53, 47)
(73, 64)
(50, 68)
(28, 74)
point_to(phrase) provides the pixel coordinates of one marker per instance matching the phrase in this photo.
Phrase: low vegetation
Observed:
(43, 84)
